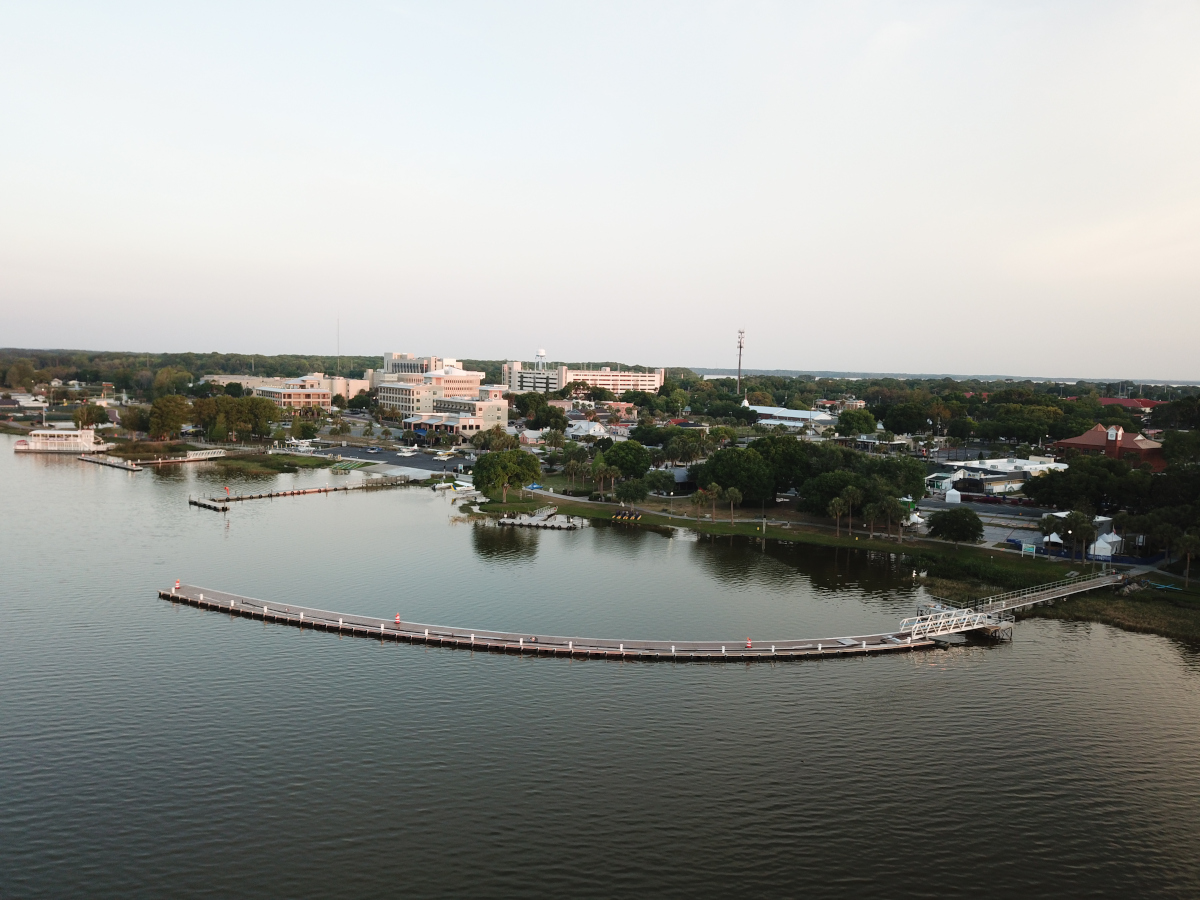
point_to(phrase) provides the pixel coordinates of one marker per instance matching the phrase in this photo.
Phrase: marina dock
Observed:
(112, 463)
(374, 482)
(540, 645)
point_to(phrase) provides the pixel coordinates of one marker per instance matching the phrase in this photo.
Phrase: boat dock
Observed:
(112, 463)
(546, 517)
(541, 645)
(373, 482)
(192, 456)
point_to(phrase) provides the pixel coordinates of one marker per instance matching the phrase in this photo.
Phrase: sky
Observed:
(969, 188)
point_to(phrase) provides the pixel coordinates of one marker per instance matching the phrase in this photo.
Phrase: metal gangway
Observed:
(995, 613)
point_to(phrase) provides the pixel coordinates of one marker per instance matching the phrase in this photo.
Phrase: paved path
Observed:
(541, 644)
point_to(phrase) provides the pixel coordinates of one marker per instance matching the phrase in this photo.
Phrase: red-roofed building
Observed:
(1116, 443)
(1133, 405)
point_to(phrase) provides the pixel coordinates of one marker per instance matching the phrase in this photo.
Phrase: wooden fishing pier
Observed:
(526, 644)
(921, 632)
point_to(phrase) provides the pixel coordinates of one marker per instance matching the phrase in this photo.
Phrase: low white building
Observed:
(579, 430)
(796, 419)
(54, 440)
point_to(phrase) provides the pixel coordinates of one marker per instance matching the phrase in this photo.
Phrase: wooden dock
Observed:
(112, 463)
(540, 645)
(375, 482)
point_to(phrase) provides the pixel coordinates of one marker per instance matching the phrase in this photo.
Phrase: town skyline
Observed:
(878, 188)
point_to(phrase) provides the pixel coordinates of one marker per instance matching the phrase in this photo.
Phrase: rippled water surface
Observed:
(154, 750)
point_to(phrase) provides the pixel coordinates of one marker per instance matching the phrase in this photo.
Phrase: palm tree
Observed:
(573, 469)
(853, 496)
(715, 493)
(870, 512)
(734, 498)
(1189, 546)
(890, 508)
(612, 473)
(837, 508)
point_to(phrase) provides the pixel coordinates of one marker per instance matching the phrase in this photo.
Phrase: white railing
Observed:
(945, 622)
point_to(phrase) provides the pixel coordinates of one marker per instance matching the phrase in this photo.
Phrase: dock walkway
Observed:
(540, 645)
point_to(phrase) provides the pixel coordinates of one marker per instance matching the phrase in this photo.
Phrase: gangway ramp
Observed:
(995, 613)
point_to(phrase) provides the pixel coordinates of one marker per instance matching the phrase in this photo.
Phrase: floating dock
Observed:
(112, 463)
(541, 645)
(546, 517)
(374, 482)
(203, 505)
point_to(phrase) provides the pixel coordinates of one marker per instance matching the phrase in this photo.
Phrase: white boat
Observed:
(53, 440)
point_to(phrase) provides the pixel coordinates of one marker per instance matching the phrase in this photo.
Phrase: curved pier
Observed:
(541, 644)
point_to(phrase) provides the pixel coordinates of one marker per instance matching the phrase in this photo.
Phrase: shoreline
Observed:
(961, 574)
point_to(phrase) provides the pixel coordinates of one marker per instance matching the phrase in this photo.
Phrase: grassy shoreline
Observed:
(961, 575)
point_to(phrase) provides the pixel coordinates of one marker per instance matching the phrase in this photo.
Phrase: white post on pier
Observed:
(301, 617)
(202, 598)
(522, 641)
(864, 645)
(622, 648)
(672, 649)
(722, 649)
(818, 648)
(339, 623)
(570, 645)
(772, 648)
(472, 639)
(380, 627)
(426, 632)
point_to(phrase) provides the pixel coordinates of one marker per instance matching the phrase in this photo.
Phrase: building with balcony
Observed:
(306, 393)
(521, 380)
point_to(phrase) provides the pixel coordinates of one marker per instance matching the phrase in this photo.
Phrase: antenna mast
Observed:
(741, 344)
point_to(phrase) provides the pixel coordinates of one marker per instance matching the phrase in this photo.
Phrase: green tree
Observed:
(632, 490)
(135, 419)
(170, 380)
(870, 512)
(504, 469)
(856, 421)
(836, 509)
(630, 457)
(304, 429)
(495, 438)
(956, 525)
(743, 469)
(168, 415)
(1188, 546)
(90, 415)
(853, 496)
(660, 481)
(892, 510)
(733, 497)
(20, 375)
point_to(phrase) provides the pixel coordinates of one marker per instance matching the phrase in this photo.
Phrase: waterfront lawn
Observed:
(272, 464)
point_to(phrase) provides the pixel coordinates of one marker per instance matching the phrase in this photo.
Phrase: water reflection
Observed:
(495, 543)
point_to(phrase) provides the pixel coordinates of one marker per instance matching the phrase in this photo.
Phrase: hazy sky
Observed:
(997, 187)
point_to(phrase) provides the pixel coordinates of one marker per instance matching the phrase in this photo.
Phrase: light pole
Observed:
(672, 503)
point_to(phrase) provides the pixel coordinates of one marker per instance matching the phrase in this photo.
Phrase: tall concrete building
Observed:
(541, 378)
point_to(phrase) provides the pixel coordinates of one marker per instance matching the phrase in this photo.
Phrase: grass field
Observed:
(272, 464)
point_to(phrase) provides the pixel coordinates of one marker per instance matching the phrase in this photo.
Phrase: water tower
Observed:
(540, 363)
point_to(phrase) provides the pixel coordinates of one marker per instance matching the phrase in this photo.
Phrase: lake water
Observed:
(148, 749)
